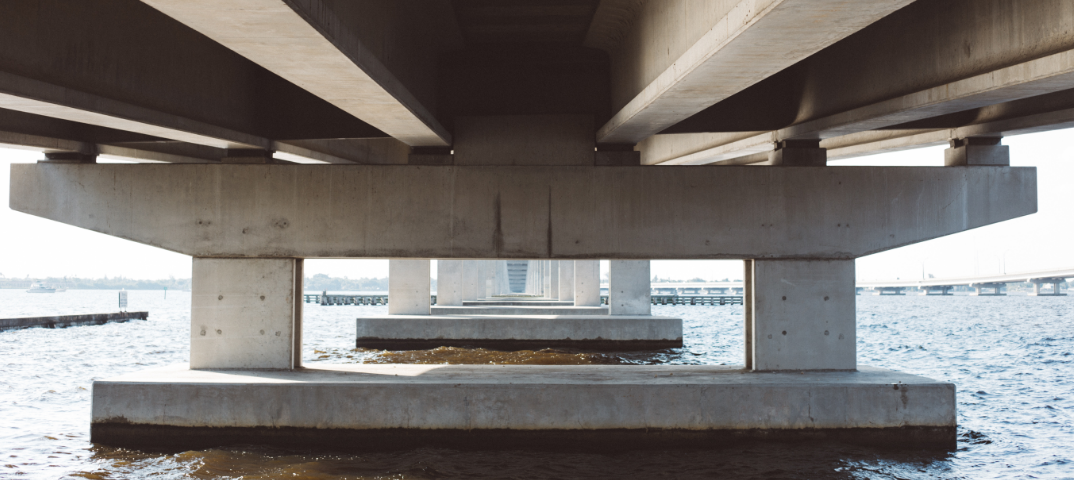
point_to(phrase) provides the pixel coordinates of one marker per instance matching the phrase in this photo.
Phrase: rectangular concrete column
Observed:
(246, 313)
(553, 283)
(802, 315)
(587, 283)
(629, 290)
(747, 317)
(449, 282)
(977, 151)
(408, 287)
(798, 153)
(469, 278)
(566, 280)
(546, 279)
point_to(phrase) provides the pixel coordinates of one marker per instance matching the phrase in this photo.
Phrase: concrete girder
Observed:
(40, 98)
(338, 211)
(880, 141)
(132, 150)
(1051, 74)
(319, 53)
(753, 41)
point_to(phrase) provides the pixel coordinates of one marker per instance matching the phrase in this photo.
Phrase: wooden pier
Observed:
(61, 321)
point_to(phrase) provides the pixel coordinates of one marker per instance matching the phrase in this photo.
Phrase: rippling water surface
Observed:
(1010, 358)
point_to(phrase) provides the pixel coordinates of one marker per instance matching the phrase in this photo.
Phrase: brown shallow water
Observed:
(1011, 358)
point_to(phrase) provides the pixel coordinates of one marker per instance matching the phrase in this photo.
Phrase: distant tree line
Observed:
(322, 282)
(106, 283)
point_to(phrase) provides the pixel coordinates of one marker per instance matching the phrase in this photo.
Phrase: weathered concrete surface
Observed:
(587, 283)
(409, 287)
(751, 41)
(566, 281)
(60, 321)
(327, 55)
(516, 140)
(803, 315)
(607, 332)
(516, 310)
(629, 287)
(449, 282)
(458, 402)
(335, 211)
(245, 313)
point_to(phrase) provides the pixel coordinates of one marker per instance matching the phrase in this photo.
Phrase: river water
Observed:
(1010, 358)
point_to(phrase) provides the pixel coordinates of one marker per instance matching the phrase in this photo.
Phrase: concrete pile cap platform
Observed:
(460, 403)
(518, 310)
(598, 332)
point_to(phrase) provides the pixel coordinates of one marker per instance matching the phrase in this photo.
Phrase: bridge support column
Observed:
(408, 287)
(628, 290)
(469, 280)
(798, 153)
(566, 280)
(587, 283)
(981, 289)
(977, 151)
(1056, 284)
(801, 313)
(246, 313)
(449, 282)
(553, 282)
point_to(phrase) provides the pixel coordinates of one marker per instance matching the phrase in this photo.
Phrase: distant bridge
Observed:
(985, 284)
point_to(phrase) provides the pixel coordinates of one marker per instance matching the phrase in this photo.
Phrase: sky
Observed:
(35, 247)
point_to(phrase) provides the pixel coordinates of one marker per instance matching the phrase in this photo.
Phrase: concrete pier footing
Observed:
(520, 332)
(369, 407)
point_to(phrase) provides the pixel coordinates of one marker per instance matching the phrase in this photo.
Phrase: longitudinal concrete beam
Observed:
(755, 40)
(41, 98)
(1045, 75)
(305, 43)
(339, 211)
(851, 146)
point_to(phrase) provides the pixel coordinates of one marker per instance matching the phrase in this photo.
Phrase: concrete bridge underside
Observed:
(528, 132)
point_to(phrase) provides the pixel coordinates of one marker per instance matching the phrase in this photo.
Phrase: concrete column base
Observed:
(378, 407)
